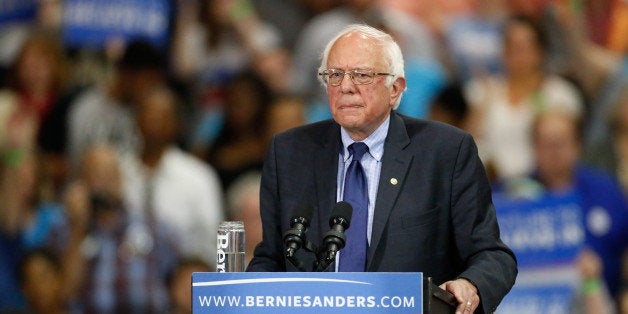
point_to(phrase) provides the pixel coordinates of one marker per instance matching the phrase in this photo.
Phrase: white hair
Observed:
(392, 53)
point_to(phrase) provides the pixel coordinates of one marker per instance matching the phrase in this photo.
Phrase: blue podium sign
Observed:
(307, 292)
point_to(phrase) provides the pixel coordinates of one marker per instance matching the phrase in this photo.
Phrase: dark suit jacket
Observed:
(438, 219)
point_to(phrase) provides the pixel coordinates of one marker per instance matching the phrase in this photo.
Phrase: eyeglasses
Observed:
(334, 77)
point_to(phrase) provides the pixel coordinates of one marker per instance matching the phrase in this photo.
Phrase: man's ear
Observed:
(397, 88)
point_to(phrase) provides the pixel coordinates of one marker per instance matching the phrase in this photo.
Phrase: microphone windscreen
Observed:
(342, 210)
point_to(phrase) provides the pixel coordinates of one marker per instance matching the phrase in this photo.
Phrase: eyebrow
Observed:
(357, 68)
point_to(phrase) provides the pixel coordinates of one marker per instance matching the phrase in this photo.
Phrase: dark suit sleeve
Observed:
(490, 264)
(269, 253)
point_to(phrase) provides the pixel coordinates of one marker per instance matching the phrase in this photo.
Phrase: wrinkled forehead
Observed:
(356, 50)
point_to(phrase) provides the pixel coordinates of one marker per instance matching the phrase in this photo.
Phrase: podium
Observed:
(437, 300)
(318, 292)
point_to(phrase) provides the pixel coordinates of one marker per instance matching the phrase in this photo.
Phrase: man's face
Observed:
(156, 119)
(556, 146)
(360, 109)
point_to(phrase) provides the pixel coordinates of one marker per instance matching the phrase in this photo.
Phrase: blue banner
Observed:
(546, 299)
(17, 10)
(546, 234)
(307, 293)
(94, 22)
(545, 231)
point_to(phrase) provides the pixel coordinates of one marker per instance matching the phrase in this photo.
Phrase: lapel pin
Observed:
(394, 181)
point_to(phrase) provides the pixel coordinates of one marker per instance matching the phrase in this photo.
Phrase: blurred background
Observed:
(130, 128)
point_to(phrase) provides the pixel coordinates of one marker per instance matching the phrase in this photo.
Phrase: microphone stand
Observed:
(293, 236)
(333, 242)
(324, 261)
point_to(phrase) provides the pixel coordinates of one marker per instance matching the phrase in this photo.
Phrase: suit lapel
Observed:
(395, 164)
(326, 173)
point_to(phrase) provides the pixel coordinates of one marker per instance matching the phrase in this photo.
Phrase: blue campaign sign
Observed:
(17, 10)
(546, 299)
(545, 231)
(307, 293)
(546, 234)
(94, 22)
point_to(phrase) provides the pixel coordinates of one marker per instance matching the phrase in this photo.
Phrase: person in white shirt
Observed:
(503, 107)
(105, 112)
(181, 191)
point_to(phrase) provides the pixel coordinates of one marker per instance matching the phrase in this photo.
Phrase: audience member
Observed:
(179, 282)
(557, 142)
(285, 112)
(288, 17)
(574, 47)
(37, 82)
(601, 74)
(243, 202)
(473, 40)
(502, 108)
(593, 296)
(180, 191)
(270, 66)
(616, 40)
(18, 21)
(218, 38)
(545, 14)
(119, 258)
(450, 106)
(26, 222)
(213, 42)
(241, 143)
(610, 92)
(41, 280)
(611, 152)
(105, 113)
(597, 16)
(38, 74)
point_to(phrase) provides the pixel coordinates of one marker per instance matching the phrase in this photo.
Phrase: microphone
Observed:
(294, 238)
(335, 239)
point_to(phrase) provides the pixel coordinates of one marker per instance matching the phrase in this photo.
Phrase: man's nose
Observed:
(347, 84)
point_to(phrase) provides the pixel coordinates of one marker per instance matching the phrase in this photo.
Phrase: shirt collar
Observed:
(375, 141)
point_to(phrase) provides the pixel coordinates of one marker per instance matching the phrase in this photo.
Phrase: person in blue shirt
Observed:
(27, 222)
(559, 170)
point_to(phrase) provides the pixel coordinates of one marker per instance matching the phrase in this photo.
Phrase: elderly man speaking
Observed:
(420, 196)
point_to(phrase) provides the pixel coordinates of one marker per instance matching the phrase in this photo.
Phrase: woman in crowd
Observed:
(503, 108)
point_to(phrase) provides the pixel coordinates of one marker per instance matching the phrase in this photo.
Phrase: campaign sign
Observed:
(546, 234)
(325, 292)
(544, 231)
(17, 10)
(546, 299)
(95, 22)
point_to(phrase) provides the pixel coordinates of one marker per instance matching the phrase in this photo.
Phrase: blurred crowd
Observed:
(118, 162)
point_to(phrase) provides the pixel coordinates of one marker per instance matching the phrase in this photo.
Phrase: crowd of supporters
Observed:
(118, 161)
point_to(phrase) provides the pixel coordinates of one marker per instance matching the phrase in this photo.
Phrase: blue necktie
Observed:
(353, 256)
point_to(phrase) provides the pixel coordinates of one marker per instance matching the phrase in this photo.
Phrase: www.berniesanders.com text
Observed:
(307, 301)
